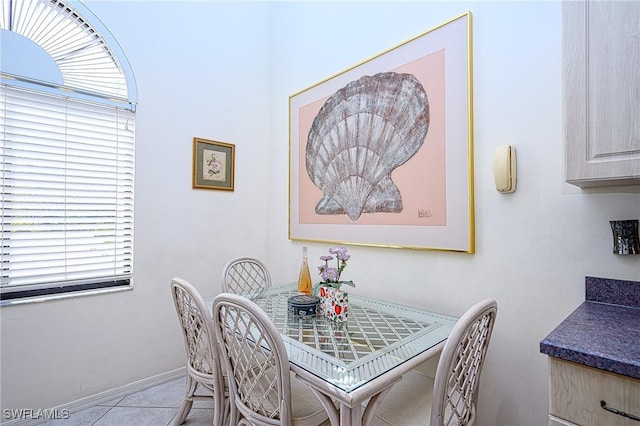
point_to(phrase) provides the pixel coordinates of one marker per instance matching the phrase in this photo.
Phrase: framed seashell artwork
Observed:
(213, 164)
(381, 154)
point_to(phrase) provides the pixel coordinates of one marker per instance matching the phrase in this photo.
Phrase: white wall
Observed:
(225, 71)
(533, 247)
(201, 70)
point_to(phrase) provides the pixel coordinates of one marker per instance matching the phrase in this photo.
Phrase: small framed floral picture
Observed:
(213, 164)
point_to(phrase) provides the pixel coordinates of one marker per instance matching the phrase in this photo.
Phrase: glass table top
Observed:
(376, 337)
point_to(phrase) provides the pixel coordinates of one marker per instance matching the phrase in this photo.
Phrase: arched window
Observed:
(67, 105)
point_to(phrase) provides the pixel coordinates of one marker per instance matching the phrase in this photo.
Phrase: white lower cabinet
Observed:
(576, 392)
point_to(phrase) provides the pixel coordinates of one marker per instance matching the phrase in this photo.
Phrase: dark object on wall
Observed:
(625, 236)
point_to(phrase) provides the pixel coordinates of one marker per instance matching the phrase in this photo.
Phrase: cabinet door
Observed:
(601, 72)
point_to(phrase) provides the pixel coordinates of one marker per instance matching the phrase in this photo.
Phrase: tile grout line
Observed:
(105, 413)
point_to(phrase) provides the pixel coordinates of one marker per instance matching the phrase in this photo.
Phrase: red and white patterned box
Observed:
(334, 303)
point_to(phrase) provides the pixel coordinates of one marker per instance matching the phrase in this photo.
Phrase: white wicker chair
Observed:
(203, 361)
(452, 397)
(245, 275)
(260, 386)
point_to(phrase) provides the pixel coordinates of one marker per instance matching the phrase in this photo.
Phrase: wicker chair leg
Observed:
(185, 407)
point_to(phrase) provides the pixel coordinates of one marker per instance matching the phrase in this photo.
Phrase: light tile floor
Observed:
(158, 406)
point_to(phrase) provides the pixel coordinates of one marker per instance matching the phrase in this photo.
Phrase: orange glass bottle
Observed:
(304, 280)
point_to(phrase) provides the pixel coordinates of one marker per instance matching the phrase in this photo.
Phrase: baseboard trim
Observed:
(104, 397)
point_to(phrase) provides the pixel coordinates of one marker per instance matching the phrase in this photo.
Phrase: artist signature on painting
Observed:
(424, 213)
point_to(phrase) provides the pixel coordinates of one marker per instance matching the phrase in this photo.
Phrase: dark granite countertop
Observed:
(603, 332)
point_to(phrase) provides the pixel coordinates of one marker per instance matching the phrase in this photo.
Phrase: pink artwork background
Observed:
(421, 180)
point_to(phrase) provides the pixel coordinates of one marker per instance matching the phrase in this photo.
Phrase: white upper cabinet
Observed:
(601, 74)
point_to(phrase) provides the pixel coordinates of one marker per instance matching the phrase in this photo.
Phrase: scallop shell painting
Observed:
(362, 133)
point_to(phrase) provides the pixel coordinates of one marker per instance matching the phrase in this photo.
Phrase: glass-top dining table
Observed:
(355, 363)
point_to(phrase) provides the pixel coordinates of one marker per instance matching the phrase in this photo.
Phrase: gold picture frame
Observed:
(213, 164)
(416, 192)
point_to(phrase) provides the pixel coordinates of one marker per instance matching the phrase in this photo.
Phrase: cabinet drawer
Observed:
(575, 392)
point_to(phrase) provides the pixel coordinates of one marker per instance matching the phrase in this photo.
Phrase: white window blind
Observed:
(67, 192)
